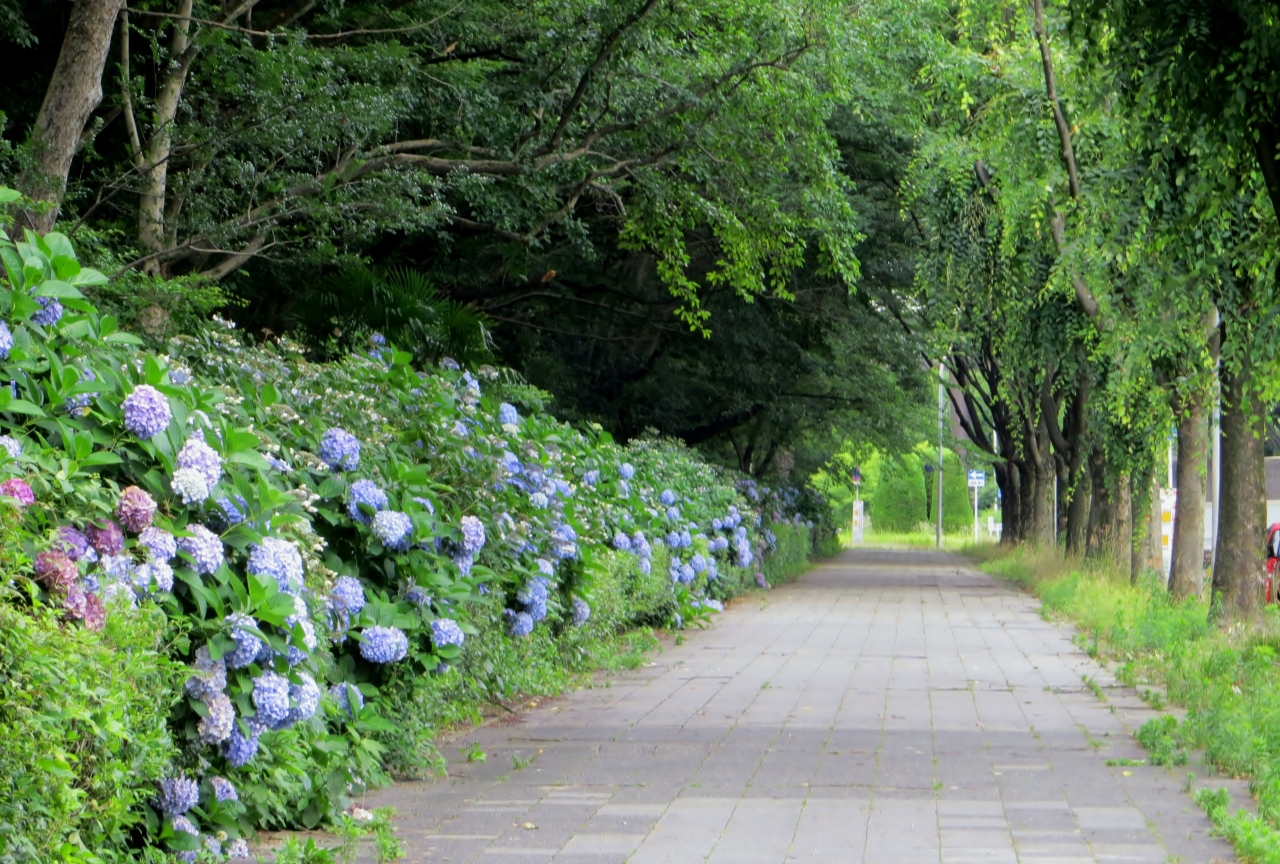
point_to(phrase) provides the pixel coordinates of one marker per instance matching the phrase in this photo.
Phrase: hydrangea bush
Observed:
(323, 538)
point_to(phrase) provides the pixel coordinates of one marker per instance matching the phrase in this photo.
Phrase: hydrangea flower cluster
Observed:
(204, 548)
(177, 796)
(347, 595)
(345, 696)
(10, 446)
(79, 402)
(279, 559)
(50, 312)
(6, 341)
(198, 469)
(146, 412)
(445, 631)
(508, 415)
(393, 528)
(19, 491)
(340, 449)
(384, 644)
(368, 493)
(581, 611)
(135, 510)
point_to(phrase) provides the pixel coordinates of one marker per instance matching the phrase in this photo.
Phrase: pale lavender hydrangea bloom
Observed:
(508, 415)
(199, 456)
(159, 543)
(204, 547)
(280, 559)
(271, 698)
(365, 492)
(348, 594)
(223, 790)
(445, 631)
(146, 412)
(10, 446)
(384, 644)
(581, 611)
(521, 624)
(177, 796)
(626, 471)
(345, 695)
(393, 528)
(215, 727)
(340, 449)
(6, 341)
(238, 848)
(473, 536)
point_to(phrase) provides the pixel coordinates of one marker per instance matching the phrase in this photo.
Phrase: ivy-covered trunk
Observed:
(1186, 572)
(1237, 564)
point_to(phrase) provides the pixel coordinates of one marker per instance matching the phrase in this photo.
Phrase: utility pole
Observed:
(942, 414)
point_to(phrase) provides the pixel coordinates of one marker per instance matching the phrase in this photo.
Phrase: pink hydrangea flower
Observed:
(19, 490)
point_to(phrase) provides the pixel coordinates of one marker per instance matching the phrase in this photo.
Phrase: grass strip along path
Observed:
(890, 706)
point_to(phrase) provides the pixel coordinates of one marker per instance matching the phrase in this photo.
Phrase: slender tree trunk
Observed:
(1242, 517)
(151, 200)
(74, 91)
(1100, 517)
(1078, 511)
(1140, 510)
(1121, 550)
(1186, 572)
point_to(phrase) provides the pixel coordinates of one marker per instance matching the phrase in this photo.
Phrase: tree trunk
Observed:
(151, 200)
(1238, 565)
(74, 91)
(1078, 512)
(1186, 572)
(1140, 517)
(1121, 550)
(1010, 500)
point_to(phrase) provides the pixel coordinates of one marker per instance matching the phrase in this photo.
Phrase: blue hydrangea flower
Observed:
(240, 749)
(673, 513)
(624, 490)
(591, 478)
(345, 695)
(393, 528)
(159, 543)
(248, 646)
(6, 341)
(80, 401)
(210, 675)
(473, 535)
(198, 456)
(621, 542)
(646, 566)
(306, 697)
(464, 561)
(426, 503)
(179, 376)
(271, 698)
(365, 492)
(686, 540)
(626, 471)
(279, 559)
(146, 412)
(667, 497)
(50, 314)
(276, 463)
(238, 848)
(713, 572)
(539, 500)
(177, 795)
(673, 539)
(545, 567)
(445, 631)
(223, 790)
(233, 512)
(348, 594)
(717, 523)
(10, 446)
(185, 825)
(581, 611)
(686, 573)
(215, 727)
(507, 414)
(698, 563)
(384, 644)
(340, 449)
(521, 623)
(450, 364)
(418, 596)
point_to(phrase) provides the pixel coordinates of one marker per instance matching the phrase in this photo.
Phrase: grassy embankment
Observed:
(1228, 680)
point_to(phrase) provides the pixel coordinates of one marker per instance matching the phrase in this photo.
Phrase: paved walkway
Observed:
(889, 707)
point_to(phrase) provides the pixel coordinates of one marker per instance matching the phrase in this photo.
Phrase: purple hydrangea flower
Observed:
(177, 796)
(450, 364)
(223, 790)
(280, 559)
(365, 492)
(445, 631)
(508, 415)
(581, 611)
(509, 462)
(473, 536)
(204, 547)
(464, 562)
(159, 543)
(49, 314)
(10, 446)
(146, 412)
(340, 449)
(591, 478)
(135, 509)
(393, 528)
(55, 570)
(6, 341)
(215, 727)
(626, 471)
(198, 456)
(673, 513)
(646, 566)
(238, 848)
(521, 623)
(210, 675)
(105, 537)
(306, 698)
(240, 749)
(345, 695)
(347, 594)
(271, 698)
(185, 825)
(233, 511)
(621, 542)
(384, 644)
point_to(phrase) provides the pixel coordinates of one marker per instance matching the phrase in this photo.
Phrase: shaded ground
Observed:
(890, 706)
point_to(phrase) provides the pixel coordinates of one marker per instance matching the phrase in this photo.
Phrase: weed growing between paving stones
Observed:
(1228, 681)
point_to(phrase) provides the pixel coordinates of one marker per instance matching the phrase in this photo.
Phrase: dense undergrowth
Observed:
(242, 587)
(1227, 680)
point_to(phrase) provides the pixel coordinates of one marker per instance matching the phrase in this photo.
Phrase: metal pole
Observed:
(975, 514)
(942, 377)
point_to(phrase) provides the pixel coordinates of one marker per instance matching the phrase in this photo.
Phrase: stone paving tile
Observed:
(889, 707)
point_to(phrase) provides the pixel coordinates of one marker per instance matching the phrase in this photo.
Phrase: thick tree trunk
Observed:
(1011, 500)
(1078, 512)
(74, 91)
(1238, 565)
(1186, 573)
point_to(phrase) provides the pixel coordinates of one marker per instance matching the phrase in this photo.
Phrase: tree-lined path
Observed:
(888, 707)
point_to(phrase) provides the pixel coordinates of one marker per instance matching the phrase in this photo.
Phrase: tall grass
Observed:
(1227, 679)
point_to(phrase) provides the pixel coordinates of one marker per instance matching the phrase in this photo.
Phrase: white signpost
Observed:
(977, 479)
